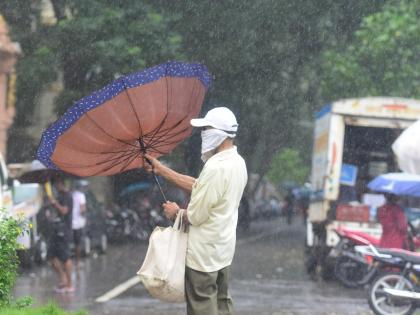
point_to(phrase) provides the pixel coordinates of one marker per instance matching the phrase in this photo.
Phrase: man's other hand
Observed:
(171, 209)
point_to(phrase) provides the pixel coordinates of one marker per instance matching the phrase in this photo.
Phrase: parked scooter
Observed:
(120, 224)
(396, 292)
(353, 269)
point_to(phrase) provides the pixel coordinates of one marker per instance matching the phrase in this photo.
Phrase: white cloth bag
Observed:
(163, 269)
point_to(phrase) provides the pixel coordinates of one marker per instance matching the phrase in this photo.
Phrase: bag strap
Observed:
(179, 221)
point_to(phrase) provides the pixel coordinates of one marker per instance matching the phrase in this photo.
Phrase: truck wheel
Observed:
(327, 271)
(310, 261)
(349, 272)
(26, 258)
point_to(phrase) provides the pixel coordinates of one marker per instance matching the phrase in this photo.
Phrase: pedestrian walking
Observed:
(59, 242)
(212, 213)
(288, 207)
(79, 219)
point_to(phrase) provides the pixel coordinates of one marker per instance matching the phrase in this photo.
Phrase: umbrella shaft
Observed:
(160, 187)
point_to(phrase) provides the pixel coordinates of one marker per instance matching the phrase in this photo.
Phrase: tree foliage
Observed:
(89, 44)
(381, 60)
(288, 166)
(10, 229)
(96, 41)
(264, 57)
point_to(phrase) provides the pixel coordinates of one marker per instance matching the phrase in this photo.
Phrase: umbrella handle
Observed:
(156, 179)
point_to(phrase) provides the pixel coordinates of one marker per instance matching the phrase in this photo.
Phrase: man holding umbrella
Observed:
(212, 213)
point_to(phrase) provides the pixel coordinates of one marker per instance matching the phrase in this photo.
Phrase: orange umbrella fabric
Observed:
(109, 131)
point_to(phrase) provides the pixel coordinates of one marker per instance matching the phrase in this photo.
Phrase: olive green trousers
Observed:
(207, 292)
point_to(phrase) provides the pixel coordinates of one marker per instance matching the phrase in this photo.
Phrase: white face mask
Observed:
(210, 140)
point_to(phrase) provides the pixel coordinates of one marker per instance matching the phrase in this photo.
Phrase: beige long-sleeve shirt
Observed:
(213, 211)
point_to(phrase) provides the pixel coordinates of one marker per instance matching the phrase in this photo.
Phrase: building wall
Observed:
(8, 56)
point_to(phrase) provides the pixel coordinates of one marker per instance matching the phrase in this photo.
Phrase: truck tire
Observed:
(310, 261)
(349, 272)
(26, 258)
(327, 270)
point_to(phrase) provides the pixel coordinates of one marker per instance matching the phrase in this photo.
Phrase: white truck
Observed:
(6, 198)
(352, 145)
(23, 200)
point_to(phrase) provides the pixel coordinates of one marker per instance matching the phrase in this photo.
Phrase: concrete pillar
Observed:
(8, 56)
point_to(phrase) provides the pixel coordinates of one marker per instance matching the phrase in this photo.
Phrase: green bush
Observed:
(49, 309)
(10, 229)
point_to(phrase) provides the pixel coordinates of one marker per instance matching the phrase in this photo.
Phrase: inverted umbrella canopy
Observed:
(407, 149)
(402, 184)
(38, 173)
(109, 131)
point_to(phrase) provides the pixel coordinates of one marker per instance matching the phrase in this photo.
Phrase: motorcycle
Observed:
(352, 268)
(396, 291)
(119, 224)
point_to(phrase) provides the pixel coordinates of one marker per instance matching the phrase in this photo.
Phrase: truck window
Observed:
(369, 148)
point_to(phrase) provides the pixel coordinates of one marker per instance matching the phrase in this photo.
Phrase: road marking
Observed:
(258, 236)
(119, 289)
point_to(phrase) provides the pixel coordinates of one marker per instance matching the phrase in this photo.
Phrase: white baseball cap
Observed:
(220, 118)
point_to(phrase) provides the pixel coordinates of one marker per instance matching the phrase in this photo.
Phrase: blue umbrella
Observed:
(135, 187)
(397, 183)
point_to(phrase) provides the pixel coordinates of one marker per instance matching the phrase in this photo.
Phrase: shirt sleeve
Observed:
(82, 198)
(206, 192)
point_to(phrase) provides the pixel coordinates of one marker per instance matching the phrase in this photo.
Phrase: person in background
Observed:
(79, 218)
(289, 201)
(394, 224)
(59, 243)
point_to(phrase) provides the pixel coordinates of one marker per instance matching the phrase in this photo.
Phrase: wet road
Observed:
(267, 278)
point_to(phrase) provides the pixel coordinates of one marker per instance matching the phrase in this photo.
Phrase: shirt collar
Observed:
(224, 154)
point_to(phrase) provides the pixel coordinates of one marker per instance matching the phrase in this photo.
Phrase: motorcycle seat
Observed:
(412, 257)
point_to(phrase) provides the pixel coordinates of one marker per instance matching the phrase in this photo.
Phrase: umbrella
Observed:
(397, 183)
(134, 188)
(109, 131)
(407, 149)
(38, 173)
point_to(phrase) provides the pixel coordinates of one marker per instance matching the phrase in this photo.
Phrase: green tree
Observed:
(10, 229)
(98, 40)
(264, 57)
(35, 69)
(288, 166)
(381, 60)
(90, 44)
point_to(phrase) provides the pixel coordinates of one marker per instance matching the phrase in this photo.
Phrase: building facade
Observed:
(9, 52)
